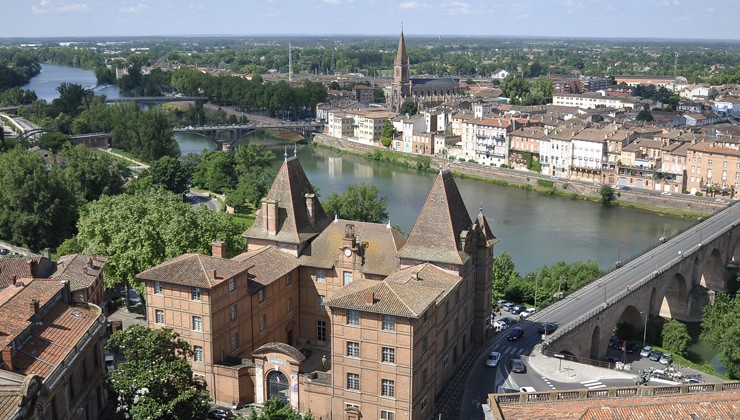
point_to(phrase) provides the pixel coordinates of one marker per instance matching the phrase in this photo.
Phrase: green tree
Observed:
(676, 338)
(73, 98)
(215, 172)
(168, 173)
(720, 329)
(54, 142)
(359, 202)
(155, 381)
(252, 156)
(607, 194)
(408, 107)
(92, 174)
(644, 115)
(250, 189)
(140, 230)
(378, 95)
(275, 409)
(504, 271)
(37, 208)
(388, 131)
(515, 87)
(542, 90)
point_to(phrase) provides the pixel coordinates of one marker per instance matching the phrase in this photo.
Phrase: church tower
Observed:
(401, 85)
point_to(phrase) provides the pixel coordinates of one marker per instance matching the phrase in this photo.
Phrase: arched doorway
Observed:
(277, 386)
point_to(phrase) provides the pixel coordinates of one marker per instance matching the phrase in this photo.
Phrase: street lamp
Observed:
(644, 327)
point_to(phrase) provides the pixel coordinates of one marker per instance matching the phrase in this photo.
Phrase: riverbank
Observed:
(683, 206)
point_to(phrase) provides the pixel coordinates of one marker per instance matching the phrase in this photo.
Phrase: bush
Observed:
(545, 183)
(698, 194)
(472, 161)
(675, 337)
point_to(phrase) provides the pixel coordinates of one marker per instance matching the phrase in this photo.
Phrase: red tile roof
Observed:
(195, 270)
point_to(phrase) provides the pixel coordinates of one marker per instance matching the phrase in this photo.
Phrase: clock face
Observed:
(347, 252)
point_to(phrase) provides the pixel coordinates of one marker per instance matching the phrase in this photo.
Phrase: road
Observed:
(482, 381)
(197, 199)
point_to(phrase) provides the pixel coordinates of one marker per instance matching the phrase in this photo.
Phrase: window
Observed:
(233, 312)
(288, 280)
(387, 388)
(320, 276)
(424, 376)
(387, 415)
(263, 322)
(388, 355)
(197, 323)
(353, 349)
(235, 342)
(389, 323)
(321, 330)
(198, 354)
(320, 299)
(157, 287)
(290, 304)
(195, 293)
(353, 382)
(159, 316)
(261, 295)
(347, 277)
(353, 317)
(232, 284)
(425, 345)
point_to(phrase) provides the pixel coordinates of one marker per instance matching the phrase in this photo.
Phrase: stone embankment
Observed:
(647, 199)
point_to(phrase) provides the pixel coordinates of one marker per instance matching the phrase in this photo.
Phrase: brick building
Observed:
(348, 319)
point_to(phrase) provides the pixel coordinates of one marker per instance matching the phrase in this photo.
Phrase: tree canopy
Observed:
(140, 230)
(359, 202)
(155, 381)
(607, 194)
(275, 409)
(721, 330)
(676, 337)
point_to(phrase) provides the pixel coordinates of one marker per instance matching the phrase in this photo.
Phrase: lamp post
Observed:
(644, 327)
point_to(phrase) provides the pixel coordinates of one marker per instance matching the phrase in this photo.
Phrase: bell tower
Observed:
(401, 85)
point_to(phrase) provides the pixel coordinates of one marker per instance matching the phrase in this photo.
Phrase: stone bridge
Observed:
(234, 131)
(674, 280)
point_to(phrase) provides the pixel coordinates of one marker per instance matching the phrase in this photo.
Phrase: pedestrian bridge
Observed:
(675, 279)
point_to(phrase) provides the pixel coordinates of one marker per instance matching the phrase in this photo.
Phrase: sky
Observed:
(694, 19)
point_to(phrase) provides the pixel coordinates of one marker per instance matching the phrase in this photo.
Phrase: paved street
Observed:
(202, 199)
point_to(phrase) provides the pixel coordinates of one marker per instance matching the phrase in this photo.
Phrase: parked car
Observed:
(219, 413)
(506, 306)
(493, 358)
(133, 298)
(502, 302)
(529, 311)
(508, 320)
(3, 251)
(517, 309)
(692, 379)
(527, 389)
(620, 344)
(110, 362)
(547, 328)
(645, 352)
(665, 193)
(666, 359)
(613, 340)
(626, 189)
(632, 348)
(655, 355)
(499, 325)
(515, 334)
(517, 366)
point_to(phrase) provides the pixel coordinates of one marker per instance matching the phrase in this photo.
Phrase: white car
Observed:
(665, 193)
(527, 389)
(666, 359)
(493, 358)
(645, 352)
(527, 312)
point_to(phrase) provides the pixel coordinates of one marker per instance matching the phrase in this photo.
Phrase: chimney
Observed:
(89, 263)
(310, 207)
(15, 280)
(46, 253)
(218, 249)
(415, 276)
(269, 216)
(7, 358)
(34, 307)
(369, 298)
(215, 276)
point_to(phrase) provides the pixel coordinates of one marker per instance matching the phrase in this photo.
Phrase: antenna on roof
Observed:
(285, 154)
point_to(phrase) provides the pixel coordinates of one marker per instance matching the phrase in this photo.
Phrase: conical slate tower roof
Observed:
(435, 236)
(401, 56)
(289, 189)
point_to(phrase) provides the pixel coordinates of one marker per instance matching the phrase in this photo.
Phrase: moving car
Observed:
(527, 389)
(499, 325)
(626, 189)
(517, 309)
(692, 379)
(508, 320)
(547, 328)
(515, 334)
(517, 366)
(645, 352)
(529, 311)
(666, 359)
(632, 348)
(493, 358)
(665, 193)
(655, 355)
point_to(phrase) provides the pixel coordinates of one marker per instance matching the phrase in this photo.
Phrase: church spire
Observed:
(401, 57)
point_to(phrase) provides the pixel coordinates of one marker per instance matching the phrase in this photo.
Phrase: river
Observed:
(536, 229)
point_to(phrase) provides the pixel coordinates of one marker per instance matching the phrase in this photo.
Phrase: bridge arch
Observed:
(713, 275)
(655, 302)
(595, 340)
(675, 299)
(631, 316)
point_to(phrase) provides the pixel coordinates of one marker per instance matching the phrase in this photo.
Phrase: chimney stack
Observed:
(15, 279)
(310, 207)
(7, 358)
(218, 249)
(369, 298)
(89, 262)
(215, 276)
(46, 253)
(269, 216)
(34, 307)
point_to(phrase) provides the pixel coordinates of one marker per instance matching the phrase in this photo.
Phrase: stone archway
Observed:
(595, 343)
(655, 302)
(676, 299)
(278, 386)
(632, 317)
(713, 276)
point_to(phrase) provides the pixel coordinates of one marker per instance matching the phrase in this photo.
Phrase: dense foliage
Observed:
(721, 330)
(140, 230)
(155, 380)
(607, 194)
(275, 409)
(17, 67)
(359, 202)
(676, 337)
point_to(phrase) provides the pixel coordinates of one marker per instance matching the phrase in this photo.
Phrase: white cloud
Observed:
(408, 5)
(668, 4)
(47, 6)
(458, 8)
(134, 9)
(333, 2)
(710, 10)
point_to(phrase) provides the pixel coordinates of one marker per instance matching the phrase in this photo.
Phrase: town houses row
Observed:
(593, 137)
